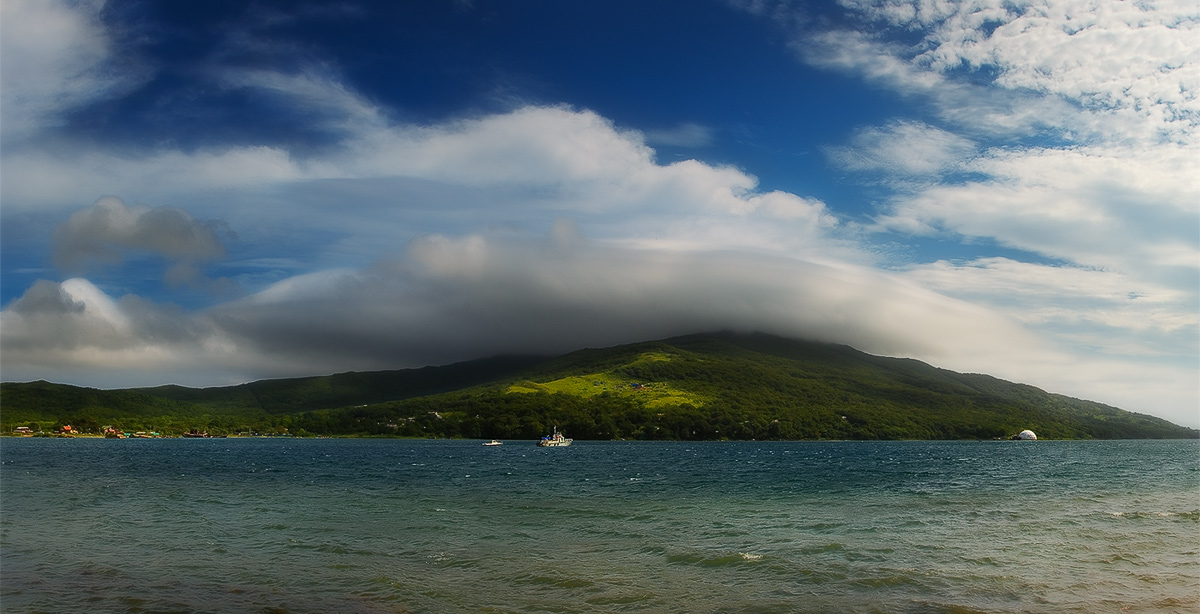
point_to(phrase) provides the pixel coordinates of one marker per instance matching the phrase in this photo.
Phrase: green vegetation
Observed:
(712, 386)
(650, 394)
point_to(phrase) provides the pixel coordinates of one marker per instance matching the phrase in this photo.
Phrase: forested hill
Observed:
(709, 386)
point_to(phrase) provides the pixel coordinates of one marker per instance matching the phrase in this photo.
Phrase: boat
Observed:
(555, 440)
(493, 443)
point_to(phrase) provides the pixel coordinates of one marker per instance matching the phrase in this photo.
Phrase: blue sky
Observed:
(210, 193)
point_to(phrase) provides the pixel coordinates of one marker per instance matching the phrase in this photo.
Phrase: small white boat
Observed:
(493, 443)
(554, 441)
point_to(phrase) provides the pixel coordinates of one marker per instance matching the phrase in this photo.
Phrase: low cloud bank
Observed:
(449, 299)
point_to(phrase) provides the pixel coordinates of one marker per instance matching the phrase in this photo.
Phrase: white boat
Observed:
(555, 440)
(493, 443)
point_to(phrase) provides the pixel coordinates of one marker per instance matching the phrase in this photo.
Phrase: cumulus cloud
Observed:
(106, 231)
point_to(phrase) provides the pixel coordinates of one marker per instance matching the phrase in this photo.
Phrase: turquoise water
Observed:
(258, 525)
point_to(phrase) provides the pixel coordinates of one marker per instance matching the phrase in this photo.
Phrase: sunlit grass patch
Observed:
(652, 394)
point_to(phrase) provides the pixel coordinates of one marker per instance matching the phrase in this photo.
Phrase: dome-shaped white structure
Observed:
(1027, 435)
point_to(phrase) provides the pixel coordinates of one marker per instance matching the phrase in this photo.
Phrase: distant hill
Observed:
(697, 387)
(282, 396)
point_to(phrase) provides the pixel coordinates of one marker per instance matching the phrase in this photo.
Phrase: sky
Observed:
(209, 193)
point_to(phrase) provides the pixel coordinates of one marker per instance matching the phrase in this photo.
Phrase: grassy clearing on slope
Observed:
(652, 394)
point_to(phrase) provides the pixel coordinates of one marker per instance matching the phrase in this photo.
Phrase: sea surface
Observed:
(370, 526)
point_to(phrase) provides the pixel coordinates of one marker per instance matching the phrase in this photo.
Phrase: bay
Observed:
(290, 525)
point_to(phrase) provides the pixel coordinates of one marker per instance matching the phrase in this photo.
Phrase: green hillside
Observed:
(45, 406)
(710, 386)
(285, 396)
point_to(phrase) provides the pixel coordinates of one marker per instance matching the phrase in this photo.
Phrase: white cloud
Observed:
(1100, 311)
(49, 180)
(1132, 210)
(533, 145)
(904, 148)
(532, 163)
(1134, 62)
(52, 55)
(1087, 71)
(538, 146)
(318, 91)
(859, 52)
(1130, 70)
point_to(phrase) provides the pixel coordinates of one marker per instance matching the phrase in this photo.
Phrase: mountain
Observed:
(707, 386)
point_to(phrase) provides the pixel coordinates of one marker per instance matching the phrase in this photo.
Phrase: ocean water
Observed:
(276, 525)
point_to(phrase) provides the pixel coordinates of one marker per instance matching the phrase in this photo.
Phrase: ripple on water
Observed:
(714, 560)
